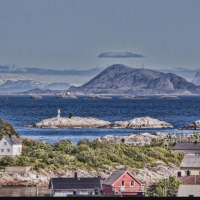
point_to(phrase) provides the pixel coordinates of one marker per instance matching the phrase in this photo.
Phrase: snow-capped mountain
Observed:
(24, 85)
(120, 79)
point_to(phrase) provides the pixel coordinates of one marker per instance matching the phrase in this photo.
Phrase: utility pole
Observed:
(165, 187)
(36, 190)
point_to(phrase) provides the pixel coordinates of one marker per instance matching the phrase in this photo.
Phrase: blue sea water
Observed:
(21, 110)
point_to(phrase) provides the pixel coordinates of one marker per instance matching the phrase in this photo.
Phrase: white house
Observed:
(10, 146)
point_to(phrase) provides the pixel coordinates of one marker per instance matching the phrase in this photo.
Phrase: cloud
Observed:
(120, 55)
(37, 71)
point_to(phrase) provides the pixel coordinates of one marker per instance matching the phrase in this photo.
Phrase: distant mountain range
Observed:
(120, 79)
(196, 80)
(24, 85)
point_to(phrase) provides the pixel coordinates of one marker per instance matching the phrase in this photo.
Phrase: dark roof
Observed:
(114, 177)
(76, 183)
(12, 139)
(190, 180)
(187, 146)
(190, 161)
(186, 190)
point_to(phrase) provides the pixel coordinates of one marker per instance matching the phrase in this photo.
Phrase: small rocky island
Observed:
(169, 97)
(94, 96)
(35, 96)
(134, 97)
(66, 95)
(90, 122)
(193, 126)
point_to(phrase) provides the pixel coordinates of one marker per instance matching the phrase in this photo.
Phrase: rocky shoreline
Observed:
(90, 122)
(147, 175)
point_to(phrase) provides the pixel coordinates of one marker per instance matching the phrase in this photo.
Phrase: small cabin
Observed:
(123, 183)
(76, 186)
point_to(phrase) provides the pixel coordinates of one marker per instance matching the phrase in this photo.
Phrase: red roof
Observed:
(190, 180)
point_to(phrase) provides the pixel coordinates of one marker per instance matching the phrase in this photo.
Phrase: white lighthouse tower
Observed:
(58, 112)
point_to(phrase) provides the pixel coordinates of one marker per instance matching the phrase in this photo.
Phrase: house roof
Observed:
(75, 183)
(12, 139)
(114, 177)
(187, 146)
(190, 161)
(190, 180)
(186, 190)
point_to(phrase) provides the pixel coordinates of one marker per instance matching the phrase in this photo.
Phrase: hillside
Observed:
(120, 79)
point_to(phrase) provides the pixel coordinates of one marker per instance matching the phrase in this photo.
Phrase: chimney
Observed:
(75, 175)
(96, 191)
(10, 135)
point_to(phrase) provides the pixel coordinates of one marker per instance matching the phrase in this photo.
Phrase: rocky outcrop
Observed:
(141, 122)
(134, 139)
(134, 97)
(149, 174)
(90, 122)
(73, 122)
(93, 96)
(66, 95)
(193, 126)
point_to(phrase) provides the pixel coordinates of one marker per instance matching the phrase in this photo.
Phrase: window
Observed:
(131, 183)
(8, 150)
(185, 173)
(5, 143)
(64, 193)
(19, 150)
(89, 192)
(2, 150)
(122, 183)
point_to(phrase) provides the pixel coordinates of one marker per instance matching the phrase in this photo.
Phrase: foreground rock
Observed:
(90, 122)
(193, 126)
(134, 139)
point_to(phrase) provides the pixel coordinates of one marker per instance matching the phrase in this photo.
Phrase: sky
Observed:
(94, 34)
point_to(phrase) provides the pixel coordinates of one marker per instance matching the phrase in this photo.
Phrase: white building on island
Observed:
(10, 146)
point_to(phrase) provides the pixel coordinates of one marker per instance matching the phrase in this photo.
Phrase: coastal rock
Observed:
(93, 96)
(73, 122)
(193, 126)
(66, 96)
(141, 122)
(134, 139)
(90, 122)
(146, 175)
(35, 96)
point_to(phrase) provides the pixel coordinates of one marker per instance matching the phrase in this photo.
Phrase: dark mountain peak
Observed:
(120, 79)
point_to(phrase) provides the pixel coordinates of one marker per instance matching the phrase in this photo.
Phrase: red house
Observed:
(122, 183)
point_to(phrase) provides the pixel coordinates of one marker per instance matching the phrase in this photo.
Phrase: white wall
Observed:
(17, 149)
(5, 148)
(14, 149)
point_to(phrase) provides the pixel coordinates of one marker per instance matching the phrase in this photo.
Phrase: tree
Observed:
(171, 184)
(6, 128)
